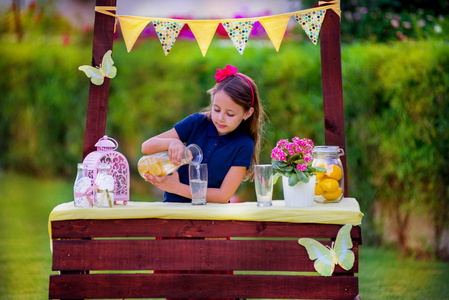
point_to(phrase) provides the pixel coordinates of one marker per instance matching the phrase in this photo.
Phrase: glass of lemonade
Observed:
(263, 181)
(198, 183)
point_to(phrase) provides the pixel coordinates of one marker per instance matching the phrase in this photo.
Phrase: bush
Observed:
(397, 129)
(42, 108)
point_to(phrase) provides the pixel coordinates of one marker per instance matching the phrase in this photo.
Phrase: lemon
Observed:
(333, 195)
(336, 173)
(154, 169)
(329, 185)
(142, 166)
(320, 176)
(318, 190)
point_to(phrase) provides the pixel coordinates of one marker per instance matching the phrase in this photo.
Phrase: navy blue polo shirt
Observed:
(220, 153)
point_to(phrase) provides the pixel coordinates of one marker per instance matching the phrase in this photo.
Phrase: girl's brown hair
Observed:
(239, 90)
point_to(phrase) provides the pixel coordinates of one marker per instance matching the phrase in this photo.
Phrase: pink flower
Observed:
(278, 154)
(301, 167)
(296, 154)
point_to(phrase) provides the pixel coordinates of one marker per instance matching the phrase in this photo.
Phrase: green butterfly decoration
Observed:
(327, 257)
(106, 69)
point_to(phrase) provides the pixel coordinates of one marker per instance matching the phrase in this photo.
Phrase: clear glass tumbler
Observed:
(198, 183)
(263, 181)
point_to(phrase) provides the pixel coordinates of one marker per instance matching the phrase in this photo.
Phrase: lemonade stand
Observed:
(112, 253)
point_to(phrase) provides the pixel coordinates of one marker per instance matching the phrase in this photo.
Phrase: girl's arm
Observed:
(229, 186)
(168, 140)
(223, 194)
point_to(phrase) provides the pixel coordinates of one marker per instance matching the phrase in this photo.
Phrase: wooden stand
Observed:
(118, 254)
(114, 258)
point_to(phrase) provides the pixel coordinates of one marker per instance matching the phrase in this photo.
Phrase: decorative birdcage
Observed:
(106, 153)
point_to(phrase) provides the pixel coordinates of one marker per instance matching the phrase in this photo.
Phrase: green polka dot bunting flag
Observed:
(239, 33)
(167, 33)
(311, 23)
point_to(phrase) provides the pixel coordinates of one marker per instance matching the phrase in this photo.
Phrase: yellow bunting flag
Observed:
(311, 23)
(237, 29)
(167, 33)
(131, 28)
(275, 28)
(239, 32)
(204, 32)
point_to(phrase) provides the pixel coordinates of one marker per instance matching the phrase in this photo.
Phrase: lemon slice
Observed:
(142, 166)
(154, 169)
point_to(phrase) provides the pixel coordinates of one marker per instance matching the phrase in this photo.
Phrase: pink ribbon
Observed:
(87, 194)
(221, 75)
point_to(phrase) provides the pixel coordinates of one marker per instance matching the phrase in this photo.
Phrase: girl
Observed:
(228, 133)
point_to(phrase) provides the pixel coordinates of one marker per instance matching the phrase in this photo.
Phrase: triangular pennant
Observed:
(311, 23)
(275, 28)
(239, 32)
(131, 28)
(168, 33)
(204, 32)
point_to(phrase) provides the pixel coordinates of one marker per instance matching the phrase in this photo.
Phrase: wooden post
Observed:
(334, 123)
(97, 107)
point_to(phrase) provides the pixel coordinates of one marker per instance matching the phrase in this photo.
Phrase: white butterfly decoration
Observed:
(106, 69)
(327, 257)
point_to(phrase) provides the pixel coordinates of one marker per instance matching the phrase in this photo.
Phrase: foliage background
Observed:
(395, 80)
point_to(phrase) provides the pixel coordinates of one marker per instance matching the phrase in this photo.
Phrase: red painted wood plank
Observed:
(334, 124)
(193, 228)
(97, 107)
(116, 286)
(182, 254)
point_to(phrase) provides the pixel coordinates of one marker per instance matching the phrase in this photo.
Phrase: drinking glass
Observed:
(198, 183)
(263, 180)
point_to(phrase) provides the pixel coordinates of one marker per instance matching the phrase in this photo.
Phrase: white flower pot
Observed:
(301, 194)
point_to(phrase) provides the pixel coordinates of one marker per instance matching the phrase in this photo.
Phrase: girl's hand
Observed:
(175, 151)
(168, 183)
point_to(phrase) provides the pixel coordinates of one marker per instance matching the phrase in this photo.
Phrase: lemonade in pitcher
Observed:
(159, 164)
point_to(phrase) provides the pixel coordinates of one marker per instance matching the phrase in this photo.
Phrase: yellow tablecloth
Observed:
(346, 211)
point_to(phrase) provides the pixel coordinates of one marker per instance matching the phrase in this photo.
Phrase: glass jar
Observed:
(159, 164)
(82, 188)
(329, 187)
(104, 195)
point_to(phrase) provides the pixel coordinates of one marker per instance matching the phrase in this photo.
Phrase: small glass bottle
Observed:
(104, 195)
(159, 164)
(329, 187)
(82, 194)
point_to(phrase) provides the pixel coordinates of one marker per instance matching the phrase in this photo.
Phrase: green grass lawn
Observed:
(25, 259)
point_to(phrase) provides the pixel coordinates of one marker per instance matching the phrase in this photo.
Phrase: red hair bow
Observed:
(221, 75)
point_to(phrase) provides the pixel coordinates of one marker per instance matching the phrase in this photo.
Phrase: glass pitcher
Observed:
(329, 187)
(159, 164)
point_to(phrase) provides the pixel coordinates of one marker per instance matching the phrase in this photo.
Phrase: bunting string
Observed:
(238, 30)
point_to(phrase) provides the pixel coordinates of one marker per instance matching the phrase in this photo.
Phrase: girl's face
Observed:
(226, 114)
